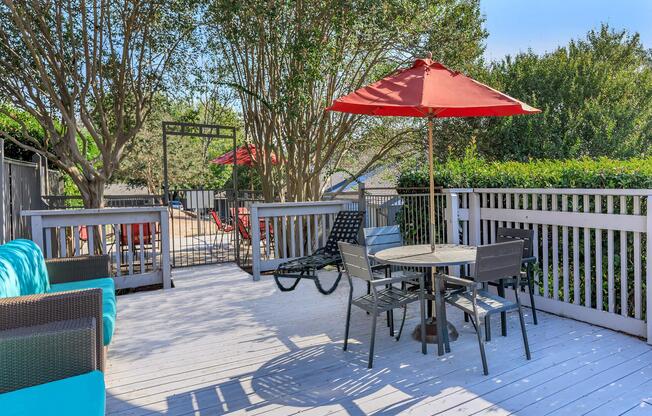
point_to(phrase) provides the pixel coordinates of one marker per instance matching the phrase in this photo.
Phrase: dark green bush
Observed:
(474, 172)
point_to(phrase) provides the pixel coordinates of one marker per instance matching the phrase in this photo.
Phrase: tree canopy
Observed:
(287, 61)
(87, 72)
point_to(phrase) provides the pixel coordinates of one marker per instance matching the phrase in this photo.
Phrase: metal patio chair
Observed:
(381, 238)
(493, 262)
(346, 227)
(380, 300)
(527, 277)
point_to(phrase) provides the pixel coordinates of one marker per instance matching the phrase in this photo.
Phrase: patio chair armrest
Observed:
(43, 353)
(31, 310)
(456, 280)
(390, 280)
(73, 269)
(529, 260)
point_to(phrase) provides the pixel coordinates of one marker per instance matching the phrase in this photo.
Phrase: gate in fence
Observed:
(210, 226)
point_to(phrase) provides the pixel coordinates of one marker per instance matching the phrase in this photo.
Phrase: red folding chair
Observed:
(221, 229)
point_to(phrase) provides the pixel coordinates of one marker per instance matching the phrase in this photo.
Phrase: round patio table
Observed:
(422, 256)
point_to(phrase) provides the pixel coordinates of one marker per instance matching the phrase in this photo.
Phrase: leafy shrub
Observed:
(474, 172)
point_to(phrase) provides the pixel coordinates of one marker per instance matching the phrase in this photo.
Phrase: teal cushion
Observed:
(109, 304)
(22, 269)
(82, 395)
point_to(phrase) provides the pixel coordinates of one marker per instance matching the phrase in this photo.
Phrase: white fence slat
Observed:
(576, 256)
(301, 250)
(637, 264)
(130, 249)
(555, 252)
(544, 249)
(90, 239)
(142, 247)
(48, 243)
(587, 257)
(598, 257)
(536, 238)
(611, 295)
(624, 295)
(118, 249)
(63, 244)
(564, 250)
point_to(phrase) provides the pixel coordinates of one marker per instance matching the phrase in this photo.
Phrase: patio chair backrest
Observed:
(345, 228)
(504, 235)
(355, 261)
(218, 221)
(380, 238)
(498, 261)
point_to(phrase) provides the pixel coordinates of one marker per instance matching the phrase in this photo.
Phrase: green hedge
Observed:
(473, 172)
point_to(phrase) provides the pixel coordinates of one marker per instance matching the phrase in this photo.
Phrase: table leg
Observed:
(441, 326)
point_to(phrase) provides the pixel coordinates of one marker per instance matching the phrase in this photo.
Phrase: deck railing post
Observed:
(166, 270)
(452, 218)
(37, 231)
(255, 242)
(648, 270)
(453, 225)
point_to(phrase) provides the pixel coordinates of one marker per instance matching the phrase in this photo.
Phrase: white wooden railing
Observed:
(295, 229)
(580, 236)
(137, 240)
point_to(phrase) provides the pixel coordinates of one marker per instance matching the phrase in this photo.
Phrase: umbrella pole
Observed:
(432, 185)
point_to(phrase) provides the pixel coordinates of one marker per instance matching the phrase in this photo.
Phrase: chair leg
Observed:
(400, 329)
(530, 286)
(487, 328)
(466, 317)
(348, 321)
(373, 340)
(503, 315)
(332, 288)
(522, 320)
(483, 355)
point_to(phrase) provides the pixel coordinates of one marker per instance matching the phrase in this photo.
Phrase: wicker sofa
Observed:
(36, 292)
(56, 317)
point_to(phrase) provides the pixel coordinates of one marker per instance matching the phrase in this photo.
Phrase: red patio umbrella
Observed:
(246, 155)
(429, 89)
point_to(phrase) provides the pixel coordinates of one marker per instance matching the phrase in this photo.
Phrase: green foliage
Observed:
(10, 128)
(472, 171)
(595, 94)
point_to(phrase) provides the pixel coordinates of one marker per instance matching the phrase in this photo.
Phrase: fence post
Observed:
(648, 270)
(166, 271)
(453, 225)
(452, 218)
(37, 230)
(474, 219)
(255, 243)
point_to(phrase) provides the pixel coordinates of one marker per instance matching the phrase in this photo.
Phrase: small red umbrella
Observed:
(246, 155)
(429, 89)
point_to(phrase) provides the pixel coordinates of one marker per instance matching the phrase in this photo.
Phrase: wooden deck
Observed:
(220, 343)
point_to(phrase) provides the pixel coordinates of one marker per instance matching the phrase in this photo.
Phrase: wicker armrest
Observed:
(72, 269)
(43, 353)
(27, 311)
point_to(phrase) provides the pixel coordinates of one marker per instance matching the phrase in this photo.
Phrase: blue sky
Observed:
(516, 25)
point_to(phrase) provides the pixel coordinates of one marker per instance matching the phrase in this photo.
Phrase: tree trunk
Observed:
(93, 193)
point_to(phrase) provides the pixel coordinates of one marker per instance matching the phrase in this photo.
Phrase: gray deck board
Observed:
(220, 343)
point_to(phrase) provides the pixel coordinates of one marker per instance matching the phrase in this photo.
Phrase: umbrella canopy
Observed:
(429, 89)
(246, 155)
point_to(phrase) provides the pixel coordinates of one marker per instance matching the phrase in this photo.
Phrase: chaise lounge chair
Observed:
(345, 228)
